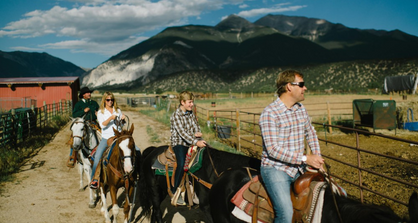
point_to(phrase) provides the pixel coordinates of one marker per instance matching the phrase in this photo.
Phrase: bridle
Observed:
(77, 136)
(124, 175)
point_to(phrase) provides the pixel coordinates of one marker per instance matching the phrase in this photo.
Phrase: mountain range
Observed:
(24, 64)
(219, 57)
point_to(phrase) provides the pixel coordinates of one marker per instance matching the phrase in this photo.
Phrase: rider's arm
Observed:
(78, 110)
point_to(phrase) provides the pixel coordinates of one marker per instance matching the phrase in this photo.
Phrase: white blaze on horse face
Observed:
(78, 132)
(126, 152)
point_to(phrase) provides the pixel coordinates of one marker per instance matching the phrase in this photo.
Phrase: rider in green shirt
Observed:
(86, 107)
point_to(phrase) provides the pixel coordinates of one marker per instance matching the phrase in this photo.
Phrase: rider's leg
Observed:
(277, 184)
(71, 159)
(180, 152)
(98, 155)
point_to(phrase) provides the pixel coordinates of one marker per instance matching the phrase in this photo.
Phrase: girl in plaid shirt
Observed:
(284, 125)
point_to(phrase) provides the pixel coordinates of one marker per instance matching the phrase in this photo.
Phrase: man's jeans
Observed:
(277, 184)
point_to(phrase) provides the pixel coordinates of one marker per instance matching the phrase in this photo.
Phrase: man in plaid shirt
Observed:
(185, 132)
(284, 125)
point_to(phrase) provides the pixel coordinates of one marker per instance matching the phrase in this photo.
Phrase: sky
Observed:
(88, 32)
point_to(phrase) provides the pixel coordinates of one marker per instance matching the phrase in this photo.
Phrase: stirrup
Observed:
(94, 184)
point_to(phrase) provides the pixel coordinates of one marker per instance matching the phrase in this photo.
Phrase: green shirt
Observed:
(79, 107)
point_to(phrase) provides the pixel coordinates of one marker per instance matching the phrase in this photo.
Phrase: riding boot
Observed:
(72, 159)
(96, 175)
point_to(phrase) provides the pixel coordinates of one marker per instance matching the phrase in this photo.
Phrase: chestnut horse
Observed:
(119, 172)
(83, 142)
(351, 211)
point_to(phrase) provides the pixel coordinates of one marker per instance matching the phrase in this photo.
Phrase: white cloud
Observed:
(243, 6)
(24, 48)
(85, 45)
(262, 11)
(96, 25)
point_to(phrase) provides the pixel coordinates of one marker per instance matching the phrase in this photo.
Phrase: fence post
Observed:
(14, 129)
(238, 130)
(60, 106)
(45, 114)
(207, 118)
(329, 117)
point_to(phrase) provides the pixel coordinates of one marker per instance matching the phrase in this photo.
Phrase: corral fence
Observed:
(18, 124)
(239, 128)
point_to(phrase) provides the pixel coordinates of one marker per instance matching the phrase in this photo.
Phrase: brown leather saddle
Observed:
(254, 200)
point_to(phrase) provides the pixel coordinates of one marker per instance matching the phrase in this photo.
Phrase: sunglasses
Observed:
(300, 84)
(110, 99)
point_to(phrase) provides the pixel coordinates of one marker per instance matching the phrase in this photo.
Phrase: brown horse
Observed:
(119, 172)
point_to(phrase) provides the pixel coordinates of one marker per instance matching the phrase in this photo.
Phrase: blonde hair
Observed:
(103, 103)
(185, 95)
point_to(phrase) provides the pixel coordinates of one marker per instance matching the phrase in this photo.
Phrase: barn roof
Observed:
(35, 80)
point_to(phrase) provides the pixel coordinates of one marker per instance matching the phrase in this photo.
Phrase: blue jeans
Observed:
(180, 152)
(98, 155)
(277, 184)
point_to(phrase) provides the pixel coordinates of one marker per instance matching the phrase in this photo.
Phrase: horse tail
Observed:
(146, 182)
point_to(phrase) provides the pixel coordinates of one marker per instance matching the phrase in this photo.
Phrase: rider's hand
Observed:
(201, 143)
(314, 161)
(87, 109)
(122, 117)
(198, 134)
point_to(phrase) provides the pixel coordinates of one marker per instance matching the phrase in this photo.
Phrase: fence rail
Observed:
(18, 124)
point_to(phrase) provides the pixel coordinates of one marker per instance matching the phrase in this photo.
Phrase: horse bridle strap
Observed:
(327, 174)
(204, 183)
(211, 161)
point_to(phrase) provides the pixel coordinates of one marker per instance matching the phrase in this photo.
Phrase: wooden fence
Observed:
(18, 124)
(239, 128)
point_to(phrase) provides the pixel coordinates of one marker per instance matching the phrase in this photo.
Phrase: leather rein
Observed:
(201, 181)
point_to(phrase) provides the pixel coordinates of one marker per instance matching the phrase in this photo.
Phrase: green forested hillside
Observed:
(350, 76)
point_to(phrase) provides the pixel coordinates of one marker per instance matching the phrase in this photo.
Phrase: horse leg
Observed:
(92, 193)
(127, 205)
(81, 171)
(115, 206)
(204, 203)
(104, 205)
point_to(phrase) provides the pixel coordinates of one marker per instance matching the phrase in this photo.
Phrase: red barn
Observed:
(41, 89)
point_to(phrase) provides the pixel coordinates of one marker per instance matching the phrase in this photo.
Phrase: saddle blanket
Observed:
(316, 215)
(194, 166)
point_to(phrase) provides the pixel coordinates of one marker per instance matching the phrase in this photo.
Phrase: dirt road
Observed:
(46, 190)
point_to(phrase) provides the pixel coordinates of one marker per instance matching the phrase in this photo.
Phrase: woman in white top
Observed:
(106, 116)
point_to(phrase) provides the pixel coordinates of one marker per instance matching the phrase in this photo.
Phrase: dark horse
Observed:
(153, 188)
(120, 172)
(351, 211)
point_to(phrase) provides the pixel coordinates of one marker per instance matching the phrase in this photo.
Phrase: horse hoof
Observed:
(92, 205)
(81, 190)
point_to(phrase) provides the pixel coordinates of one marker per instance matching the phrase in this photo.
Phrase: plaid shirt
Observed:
(183, 127)
(283, 131)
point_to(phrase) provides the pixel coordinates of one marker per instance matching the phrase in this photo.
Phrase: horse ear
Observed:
(115, 131)
(131, 130)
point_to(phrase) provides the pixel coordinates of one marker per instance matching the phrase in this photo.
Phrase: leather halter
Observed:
(76, 136)
(122, 159)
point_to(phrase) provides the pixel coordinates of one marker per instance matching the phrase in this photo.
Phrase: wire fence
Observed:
(18, 124)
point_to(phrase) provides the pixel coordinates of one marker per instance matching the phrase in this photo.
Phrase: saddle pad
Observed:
(244, 199)
(196, 165)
